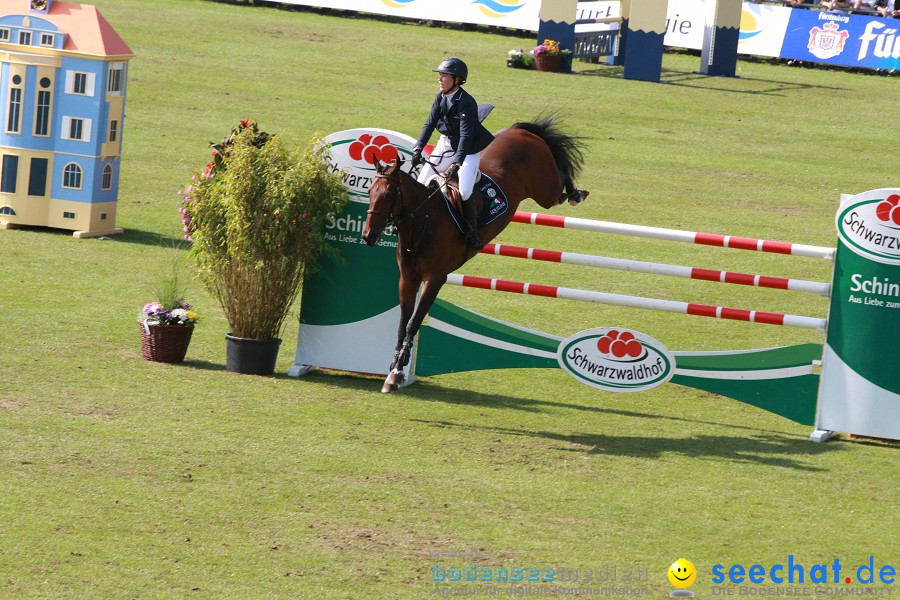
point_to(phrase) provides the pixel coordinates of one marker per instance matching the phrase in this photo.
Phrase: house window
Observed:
(102, 216)
(37, 178)
(4, 34)
(7, 210)
(68, 215)
(80, 83)
(106, 181)
(42, 114)
(113, 130)
(47, 39)
(25, 38)
(10, 174)
(75, 128)
(116, 84)
(14, 114)
(72, 176)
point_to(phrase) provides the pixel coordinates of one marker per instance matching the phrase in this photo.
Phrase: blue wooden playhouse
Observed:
(63, 75)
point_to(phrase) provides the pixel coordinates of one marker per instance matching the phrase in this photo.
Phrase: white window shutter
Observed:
(70, 81)
(90, 84)
(66, 127)
(86, 130)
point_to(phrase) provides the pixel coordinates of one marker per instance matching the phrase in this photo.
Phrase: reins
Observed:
(395, 221)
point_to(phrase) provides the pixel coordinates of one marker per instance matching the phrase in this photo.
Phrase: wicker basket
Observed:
(164, 343)
(552, 63)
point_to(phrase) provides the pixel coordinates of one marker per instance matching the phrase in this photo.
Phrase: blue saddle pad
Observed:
(494, 203)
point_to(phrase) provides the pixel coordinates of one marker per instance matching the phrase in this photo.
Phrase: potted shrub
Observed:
(255, 218)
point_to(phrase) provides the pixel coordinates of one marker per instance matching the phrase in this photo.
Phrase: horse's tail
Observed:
(567, 149)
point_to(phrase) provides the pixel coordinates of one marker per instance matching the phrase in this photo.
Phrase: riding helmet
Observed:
(453, 66)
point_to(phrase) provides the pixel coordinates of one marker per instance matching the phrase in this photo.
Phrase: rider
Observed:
(455, 115)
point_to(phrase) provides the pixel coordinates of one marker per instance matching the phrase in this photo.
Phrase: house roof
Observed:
(87, 31)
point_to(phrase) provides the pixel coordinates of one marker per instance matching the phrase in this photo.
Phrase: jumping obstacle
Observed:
(638, 266)
(858, 390)
(674, 235)
(685, 308)
(689, 308)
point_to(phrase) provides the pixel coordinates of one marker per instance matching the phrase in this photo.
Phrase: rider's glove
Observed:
(451, 171)
(416, 157)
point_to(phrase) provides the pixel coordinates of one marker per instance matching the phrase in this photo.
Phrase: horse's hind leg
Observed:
(573, 195)
(404, 348)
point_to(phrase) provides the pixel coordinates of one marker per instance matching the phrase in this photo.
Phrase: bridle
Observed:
(392, 221)
(389, 215)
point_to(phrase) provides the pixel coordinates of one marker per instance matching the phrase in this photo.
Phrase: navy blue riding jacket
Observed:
(459, 123)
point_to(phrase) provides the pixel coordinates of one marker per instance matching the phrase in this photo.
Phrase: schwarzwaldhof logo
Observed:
(869, 224)
(616, 360)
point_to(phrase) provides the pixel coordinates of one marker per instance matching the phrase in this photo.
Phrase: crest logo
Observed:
(827, 41)
(869, 224)
(369, 149)
(353, 151)
(616, 360)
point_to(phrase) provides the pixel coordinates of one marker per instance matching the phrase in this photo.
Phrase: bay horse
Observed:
(527, 160)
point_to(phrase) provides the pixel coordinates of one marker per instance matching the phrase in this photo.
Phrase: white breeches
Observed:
(442, 156)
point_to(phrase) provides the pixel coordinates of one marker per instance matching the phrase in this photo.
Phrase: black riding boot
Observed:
(473, 240)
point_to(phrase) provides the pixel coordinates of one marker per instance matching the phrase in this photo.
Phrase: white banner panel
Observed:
(762, 29)
(762, 26)
(516, 14)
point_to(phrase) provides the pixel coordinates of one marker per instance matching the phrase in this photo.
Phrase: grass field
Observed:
(122, 478)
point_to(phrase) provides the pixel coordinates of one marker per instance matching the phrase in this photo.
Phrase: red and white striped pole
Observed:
(687, 308)
(674, 235)
(622, 264)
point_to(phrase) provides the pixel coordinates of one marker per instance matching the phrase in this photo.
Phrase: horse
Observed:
(533, 159)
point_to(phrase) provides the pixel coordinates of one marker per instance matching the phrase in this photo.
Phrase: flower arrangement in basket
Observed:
(167, 324)
(548, 55)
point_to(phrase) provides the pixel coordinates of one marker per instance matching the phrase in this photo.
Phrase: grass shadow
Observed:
(203, 365)
(765, 449)
(688, 78)
(148, 238)
(428, 391)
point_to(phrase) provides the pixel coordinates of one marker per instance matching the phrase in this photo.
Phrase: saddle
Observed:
(490, 199)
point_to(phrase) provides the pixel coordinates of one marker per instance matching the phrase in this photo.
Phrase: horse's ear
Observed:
(378, 168)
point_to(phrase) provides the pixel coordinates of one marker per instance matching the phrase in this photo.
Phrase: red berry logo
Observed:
(620, 345)
(370, 149)
(888, 210)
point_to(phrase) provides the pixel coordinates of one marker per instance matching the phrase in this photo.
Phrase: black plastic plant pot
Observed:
(250, 357)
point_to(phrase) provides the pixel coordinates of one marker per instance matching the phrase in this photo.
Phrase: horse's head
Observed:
(384, 200)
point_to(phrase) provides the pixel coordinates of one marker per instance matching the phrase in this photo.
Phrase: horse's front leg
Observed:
(401, 357)
(408, 288)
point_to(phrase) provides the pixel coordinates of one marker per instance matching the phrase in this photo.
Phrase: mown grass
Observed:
(123, 478)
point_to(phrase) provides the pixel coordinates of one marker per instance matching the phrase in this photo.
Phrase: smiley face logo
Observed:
(682, 573)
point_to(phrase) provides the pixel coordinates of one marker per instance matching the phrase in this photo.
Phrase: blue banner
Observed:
(842, 39)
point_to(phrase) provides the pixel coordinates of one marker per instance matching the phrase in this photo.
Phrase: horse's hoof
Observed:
(578, 198)
(393, 381)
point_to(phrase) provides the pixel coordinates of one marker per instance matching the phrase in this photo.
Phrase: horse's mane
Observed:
(567, 150)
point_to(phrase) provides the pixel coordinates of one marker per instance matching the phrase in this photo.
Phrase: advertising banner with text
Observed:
(777, 31)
